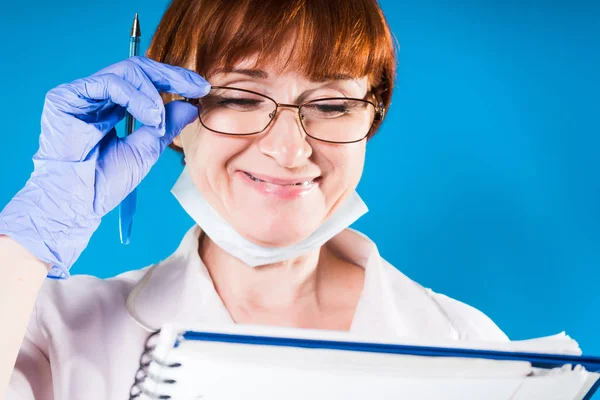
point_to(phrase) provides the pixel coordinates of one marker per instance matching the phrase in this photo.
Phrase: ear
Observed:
(177, 141)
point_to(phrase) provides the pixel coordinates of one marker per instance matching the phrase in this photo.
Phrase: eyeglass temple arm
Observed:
(380, 112)
(380, 109)
(191, 101)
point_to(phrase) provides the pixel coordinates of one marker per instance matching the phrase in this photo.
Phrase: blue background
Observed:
(483, 184)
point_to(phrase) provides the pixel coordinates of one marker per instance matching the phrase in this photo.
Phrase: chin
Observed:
(276, 232)
(272, 222)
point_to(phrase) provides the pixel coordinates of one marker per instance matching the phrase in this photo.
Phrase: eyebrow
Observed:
(260, 74)
(253, 73)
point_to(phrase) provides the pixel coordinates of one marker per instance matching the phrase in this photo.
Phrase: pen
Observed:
(127, 206)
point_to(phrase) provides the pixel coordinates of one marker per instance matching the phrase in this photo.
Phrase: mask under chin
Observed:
(227, 238)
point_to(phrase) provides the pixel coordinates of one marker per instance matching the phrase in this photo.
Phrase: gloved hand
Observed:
(82, 169)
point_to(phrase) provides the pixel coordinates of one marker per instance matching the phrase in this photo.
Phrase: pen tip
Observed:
(126, 232)
(135, 27)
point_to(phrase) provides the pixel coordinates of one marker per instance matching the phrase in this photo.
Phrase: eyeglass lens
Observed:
(237, 112)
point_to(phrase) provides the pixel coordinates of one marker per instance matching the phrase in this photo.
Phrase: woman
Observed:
(275, 147)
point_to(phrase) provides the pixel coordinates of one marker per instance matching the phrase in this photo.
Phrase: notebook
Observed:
(268, 363)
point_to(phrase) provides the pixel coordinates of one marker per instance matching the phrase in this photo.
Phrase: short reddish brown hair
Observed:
(331, 37)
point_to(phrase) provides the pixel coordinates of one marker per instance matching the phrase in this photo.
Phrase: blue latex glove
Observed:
(82, 170)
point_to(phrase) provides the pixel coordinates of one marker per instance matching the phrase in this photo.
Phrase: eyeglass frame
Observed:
(378, 117)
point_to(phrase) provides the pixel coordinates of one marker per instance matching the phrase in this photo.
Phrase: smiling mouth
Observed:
(305, 183)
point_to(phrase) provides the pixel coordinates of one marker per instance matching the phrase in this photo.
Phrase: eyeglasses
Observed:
(240, 112)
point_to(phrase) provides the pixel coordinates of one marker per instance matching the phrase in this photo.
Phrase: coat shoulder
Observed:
(472, 323)
(83, 298)
(469, 322)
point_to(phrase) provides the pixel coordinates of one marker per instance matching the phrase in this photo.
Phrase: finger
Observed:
(148, 147)
(126, 162)
(164, 77)
(179, 115)
(87, 107)
(149, 76)
(129, 71)
(76, 98)
(72, 125)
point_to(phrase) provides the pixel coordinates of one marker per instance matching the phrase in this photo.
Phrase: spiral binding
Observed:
(138, 389)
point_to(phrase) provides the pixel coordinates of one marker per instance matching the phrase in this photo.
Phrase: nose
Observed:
(285, 140)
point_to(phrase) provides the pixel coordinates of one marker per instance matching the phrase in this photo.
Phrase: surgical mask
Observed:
(227, 238)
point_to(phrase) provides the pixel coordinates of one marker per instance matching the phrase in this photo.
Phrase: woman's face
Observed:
(249, 180)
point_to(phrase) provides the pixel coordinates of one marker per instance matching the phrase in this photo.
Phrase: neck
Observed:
(275, 286)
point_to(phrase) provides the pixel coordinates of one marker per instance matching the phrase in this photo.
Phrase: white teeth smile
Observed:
(305, 183)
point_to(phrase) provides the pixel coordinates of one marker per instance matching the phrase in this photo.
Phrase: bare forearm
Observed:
(21, 276)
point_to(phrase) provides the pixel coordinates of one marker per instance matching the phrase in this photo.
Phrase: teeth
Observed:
(253, 178)
(305, 183)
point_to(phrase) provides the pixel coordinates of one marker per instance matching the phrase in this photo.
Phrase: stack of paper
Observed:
(247, 362)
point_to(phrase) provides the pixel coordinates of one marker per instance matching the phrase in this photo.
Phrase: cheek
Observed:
(203, 150)
(356, 162)
(208, 156)
(343, 165)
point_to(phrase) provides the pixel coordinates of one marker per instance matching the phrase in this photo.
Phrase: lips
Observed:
(293, 188)
(300, 181)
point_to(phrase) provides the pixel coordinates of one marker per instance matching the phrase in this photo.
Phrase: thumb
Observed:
(147, 148)
(178, 115)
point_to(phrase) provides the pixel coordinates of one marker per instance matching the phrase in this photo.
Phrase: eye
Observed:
(332, 108)
(327, 109)
(235, 100)
(239, 104)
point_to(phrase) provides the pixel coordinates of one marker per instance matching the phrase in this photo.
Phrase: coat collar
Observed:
(180, 290)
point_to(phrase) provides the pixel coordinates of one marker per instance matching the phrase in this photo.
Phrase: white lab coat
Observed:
(86, 334)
